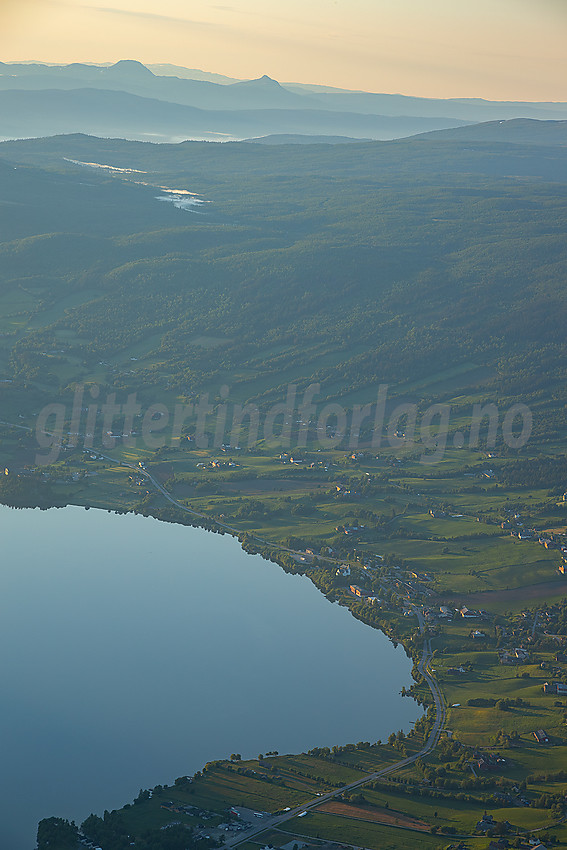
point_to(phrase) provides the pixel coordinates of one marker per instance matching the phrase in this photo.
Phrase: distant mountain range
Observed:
(165, 69)
(170, 103)
(297, 139)
(116, 114)
(519, 131)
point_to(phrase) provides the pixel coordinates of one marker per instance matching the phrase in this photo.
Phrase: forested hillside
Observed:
(350, 265)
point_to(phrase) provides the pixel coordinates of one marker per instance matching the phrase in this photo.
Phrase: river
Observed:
(133, 651)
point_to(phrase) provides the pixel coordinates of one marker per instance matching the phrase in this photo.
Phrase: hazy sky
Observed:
(498, 49)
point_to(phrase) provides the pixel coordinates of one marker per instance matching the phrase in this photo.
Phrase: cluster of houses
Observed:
(518, 655)
(62, 477)
(446, 613)
(420, 576)
(488, 762)
(344, 571)
(541, 736)
(457, 671)
(516, 525)
(441, 613)
(285, 457)
(137, 481)
(558, 688)
(349, 529)
(547, 622)
(486, 823)
(92, 455)
(437, 513)
(219, 464)
(406, 588)
(181, 808)
(545, 540)
(512, 798)
(345, 492)
(233, 826)
(21, 473)
(504, 844)
(358, 456)
(555, 671)
(470, 614)
(364, 594)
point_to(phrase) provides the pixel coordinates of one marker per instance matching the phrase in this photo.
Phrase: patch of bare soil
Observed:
(373, 814)
(516, 594)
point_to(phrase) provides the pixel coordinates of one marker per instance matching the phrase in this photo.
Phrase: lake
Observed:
(134, 651)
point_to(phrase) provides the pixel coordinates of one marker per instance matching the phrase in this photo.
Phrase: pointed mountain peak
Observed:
(264, 82)
(130, 66)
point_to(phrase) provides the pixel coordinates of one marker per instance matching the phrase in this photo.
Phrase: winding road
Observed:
(423, 668)
(237, 531)
(278, 820)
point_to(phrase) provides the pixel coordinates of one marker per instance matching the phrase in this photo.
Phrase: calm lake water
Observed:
(133, 651)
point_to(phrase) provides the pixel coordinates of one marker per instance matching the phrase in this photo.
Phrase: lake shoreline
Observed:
(237, 580)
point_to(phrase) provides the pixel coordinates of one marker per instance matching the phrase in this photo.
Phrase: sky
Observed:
(495, 49)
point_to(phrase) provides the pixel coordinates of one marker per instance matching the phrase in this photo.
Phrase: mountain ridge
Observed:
(206, 91)
(104, 112)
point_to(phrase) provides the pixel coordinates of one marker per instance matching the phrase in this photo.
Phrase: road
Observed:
(278, 820)
(423, 668)
(218, 524)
